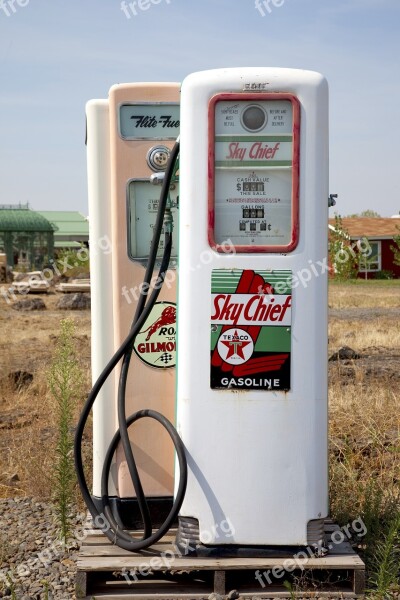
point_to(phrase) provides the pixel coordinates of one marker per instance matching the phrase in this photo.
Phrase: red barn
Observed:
(380, 233)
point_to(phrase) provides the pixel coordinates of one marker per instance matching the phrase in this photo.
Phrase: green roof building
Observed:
(26, 237)
(71, 227)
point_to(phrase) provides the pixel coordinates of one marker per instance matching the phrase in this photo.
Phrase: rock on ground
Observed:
(345, 353)
(76, 301)
(29, 304)
(20, 379)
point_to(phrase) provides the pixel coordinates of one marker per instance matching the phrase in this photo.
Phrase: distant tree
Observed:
(396, 249)
(342, 256)
(366, 213)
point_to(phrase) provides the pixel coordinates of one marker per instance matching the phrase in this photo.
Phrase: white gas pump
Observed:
(252, 310)
(102, 336)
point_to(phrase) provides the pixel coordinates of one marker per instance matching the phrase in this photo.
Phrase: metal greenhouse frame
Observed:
(26, 237)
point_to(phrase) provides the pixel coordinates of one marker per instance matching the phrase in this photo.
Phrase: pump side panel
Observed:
(102, 342)
(257, 459)
(147, 387)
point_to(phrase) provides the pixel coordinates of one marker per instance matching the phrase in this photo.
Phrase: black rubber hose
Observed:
(110, 527)
(133, 472)
(115, 534)
(142, 503)
(97, 387)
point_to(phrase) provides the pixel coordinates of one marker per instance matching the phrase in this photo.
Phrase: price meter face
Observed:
(143, 199)
(254, 172)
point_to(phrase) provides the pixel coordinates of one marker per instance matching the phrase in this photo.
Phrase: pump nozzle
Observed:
(157, 178)
(332, 200)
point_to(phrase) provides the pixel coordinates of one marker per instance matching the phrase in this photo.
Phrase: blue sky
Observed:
(57, 55)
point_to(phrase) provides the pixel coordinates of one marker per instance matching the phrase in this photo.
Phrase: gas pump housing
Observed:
(252, 308)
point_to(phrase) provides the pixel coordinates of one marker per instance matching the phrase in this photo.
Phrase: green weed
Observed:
(66, 381)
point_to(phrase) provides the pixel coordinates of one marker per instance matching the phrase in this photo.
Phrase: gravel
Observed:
(32, 557)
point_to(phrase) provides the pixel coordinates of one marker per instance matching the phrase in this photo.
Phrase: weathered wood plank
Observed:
(264, 596)
(219, 582)
(182, 590)
(359, 582)
(81, 584)
(110, 563)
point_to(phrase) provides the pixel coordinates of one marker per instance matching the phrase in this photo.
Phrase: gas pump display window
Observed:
(253, 183)
(141, 121)
(143, 199)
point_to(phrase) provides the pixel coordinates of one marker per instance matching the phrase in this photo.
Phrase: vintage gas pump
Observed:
(129, 138)
(102, 336)
(144, 125)
(252, 310)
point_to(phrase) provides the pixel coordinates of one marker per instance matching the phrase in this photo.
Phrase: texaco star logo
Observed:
(235, 346)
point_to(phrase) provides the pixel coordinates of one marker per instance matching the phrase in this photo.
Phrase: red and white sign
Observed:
(155, 345)
(235, 346)
(251, 309)
(243, 151)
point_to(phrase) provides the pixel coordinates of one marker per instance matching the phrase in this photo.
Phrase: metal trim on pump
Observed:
(262, 96)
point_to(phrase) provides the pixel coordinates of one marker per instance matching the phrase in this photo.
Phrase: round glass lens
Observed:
(254, 118)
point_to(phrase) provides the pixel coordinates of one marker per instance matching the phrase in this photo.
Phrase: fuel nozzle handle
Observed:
(332, 200)
(157, 178)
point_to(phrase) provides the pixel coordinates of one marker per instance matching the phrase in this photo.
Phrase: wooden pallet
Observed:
(110, 573)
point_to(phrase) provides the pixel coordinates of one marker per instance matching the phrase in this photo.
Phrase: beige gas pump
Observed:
(144, 124)
(129, 138)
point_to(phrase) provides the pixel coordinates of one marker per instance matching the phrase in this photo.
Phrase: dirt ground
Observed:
(27, 346)
(27, 338)
(364, 319)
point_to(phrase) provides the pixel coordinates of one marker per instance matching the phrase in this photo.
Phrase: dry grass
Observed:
(362, 334)
(27, 416)
(365, 410)
(372, 294)
(365, 434)
(30, 439)
(365, 471)
(365, 427)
